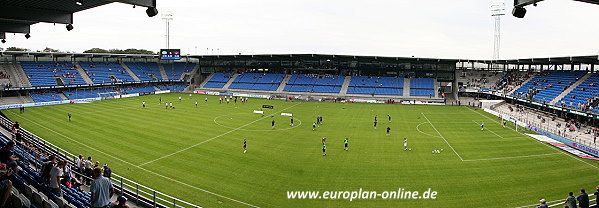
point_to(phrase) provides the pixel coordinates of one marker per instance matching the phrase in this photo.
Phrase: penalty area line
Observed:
(442, 137)
(501, 158)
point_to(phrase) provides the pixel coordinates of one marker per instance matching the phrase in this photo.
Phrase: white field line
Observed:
(442, 137)
(547, 145)
(202, 142)
(499, 134)
(137, 166)
(501, 158)
(418, 128)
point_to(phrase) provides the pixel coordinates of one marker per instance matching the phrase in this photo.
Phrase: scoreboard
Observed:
(170, 54)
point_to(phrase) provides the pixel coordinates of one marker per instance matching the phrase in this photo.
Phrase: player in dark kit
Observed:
(324, 150)
(313, 126)
(389, 117)
(388, 130)
(346, 144)
(291, 121)
(273, 124)
(160, 100)
(245, 145)
(375, 124)
(69, 116)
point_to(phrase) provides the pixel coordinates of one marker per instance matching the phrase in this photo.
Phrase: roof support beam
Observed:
(14, 27)
(36, 15)
(145, 3)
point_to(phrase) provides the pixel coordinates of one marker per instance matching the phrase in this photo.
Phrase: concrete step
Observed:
(62, 96)
(230, 81)
(84, 75)
(406, 87)
(572, 87)
(162, 72)
(284, 83)
(133, 75)
(206, 80)
(523, 83)
(345, 85)
(19, 74)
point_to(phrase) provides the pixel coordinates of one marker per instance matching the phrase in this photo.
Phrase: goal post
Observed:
(107, 95)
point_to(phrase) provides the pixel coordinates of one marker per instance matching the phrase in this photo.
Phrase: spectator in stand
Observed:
(107, 171)
(88, 169)
(15, 127)
(543, 204)
(571, 200)
(597, 197)
(79, 166)
(101, 189)
(55, 175)
(6, 156)
(47, 168)
(583, 199)
(121, 202)
(5, 184)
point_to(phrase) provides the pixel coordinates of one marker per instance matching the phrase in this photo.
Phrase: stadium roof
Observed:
(320, 57)
(16, 16)
(521, 3)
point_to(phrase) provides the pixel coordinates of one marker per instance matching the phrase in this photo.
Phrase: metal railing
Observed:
(137, 193)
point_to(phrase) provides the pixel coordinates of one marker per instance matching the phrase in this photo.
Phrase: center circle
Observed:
(249, 123)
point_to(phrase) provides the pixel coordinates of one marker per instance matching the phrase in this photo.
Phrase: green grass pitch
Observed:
(202, 148)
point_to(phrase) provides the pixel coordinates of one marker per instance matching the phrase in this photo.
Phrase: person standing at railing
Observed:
(571, 201)
(583, 199)
(101, 189)
(543, 204)
(55, 175)
(597, 197)
(107, 172)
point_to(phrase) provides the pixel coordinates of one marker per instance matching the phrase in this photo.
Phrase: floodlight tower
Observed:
(497, 10)
(167, 16)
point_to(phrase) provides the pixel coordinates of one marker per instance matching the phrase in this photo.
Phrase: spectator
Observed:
(6, 156)
(88, 169)
(101, 189)
(47, 168)
(55, 176)
(571, 201)
(597, 197)
(121, 202)
(583, 199)
(543, 204)
(5, 184)
(107, 171)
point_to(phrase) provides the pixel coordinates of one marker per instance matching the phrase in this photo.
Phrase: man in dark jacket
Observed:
(583, 199)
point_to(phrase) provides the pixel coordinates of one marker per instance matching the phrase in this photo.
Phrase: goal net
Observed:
(107, 95)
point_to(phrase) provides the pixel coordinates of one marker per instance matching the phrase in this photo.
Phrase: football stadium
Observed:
(171, 125)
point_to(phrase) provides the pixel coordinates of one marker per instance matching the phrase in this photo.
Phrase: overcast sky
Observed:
(421, 28)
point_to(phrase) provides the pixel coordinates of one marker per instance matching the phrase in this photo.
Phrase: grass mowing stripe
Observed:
(501, 158)
(192, 146)
(119, 159)
(429, 121)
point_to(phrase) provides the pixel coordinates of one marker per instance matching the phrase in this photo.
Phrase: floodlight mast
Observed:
(167, 16)
(497, 10)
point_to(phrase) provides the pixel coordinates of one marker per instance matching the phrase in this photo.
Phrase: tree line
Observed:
(92, 50)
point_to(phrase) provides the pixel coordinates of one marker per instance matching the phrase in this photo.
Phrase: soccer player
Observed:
(313, 126)
(504, 123)
(196, 103)
(291, 121)
(388, 130)
(235, 100)
(205, 99)
(389, 117)
(244, 145)
(160, 100)
(324, 140)
(166, 105)
(346, 144)
(179, 98)
(405, 144)
(220, 100)
(143, 104)
(324, 149)
(376, 118)
(69, 116)
(227, 100)
(273, 124)
(482, 126)
(171, 104)
(375, 124)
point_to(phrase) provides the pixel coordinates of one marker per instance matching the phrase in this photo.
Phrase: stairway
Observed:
(523, 83)
(284, 83)
(230, 82)
(206, 80)
(345, 85)
(162, 72)
(406, 87)
(83, 74)
(436, 89)
(572, 87)
(133, 75)
(19, 75)
(62, 96)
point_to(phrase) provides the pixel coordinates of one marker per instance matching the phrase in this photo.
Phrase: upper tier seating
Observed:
(218, 80)
(257, 81)
(45, 97)
(422, 87)
(372, 85)
(314, 83)
(583, 95)
(142, 89)
(173, 88)
(143, 70)
(547, 85)
(43, 73)
(175, 70)
(105, 72)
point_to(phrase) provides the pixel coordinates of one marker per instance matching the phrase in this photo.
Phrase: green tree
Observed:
(96, 50)
(50, 50)
(16, 49)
